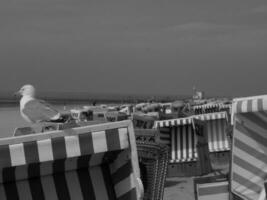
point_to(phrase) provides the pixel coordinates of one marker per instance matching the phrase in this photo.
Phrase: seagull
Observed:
(36, 111)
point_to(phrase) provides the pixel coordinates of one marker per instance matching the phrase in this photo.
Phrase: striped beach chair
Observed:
(216, 129)
(181, 138)
(153, 160)
(211, 188)
(249, 151)
(179, 135)
(91, 162)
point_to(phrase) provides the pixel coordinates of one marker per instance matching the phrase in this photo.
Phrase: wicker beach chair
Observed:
(91, 162)
(153, 159)
(113, 116)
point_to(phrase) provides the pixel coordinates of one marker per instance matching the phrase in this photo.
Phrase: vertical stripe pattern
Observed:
(217, 138)
(183, 144)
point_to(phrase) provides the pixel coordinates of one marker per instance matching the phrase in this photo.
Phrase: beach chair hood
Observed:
(91, 162)
(249, 152)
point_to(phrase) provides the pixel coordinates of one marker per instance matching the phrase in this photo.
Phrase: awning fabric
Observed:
(249, 104)
(188, 120)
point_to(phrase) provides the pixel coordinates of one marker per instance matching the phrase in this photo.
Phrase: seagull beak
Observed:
(17, 94)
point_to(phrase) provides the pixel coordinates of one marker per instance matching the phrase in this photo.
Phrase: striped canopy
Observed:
(188, 120)
(249, 152)
(204, 106)
(92, 162)
(217, 105)
(249, 104)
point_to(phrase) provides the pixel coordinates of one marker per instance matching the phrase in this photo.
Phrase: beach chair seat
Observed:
(211, 188)
(91, 162)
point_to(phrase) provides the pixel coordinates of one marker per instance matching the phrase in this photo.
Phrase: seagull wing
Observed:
(38, 110)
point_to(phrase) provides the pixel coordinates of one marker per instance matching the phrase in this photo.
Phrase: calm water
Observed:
(10, 119)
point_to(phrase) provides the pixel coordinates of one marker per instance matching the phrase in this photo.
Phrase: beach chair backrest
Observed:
(179, 134)
(216, 126)
(249, 152)
(91, 162)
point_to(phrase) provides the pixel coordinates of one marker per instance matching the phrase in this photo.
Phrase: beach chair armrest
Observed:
(140, 187)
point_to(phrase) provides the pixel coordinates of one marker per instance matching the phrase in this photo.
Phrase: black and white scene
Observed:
(133, 100)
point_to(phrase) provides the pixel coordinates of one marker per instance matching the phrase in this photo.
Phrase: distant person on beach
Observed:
(94, 103)
(36, 111)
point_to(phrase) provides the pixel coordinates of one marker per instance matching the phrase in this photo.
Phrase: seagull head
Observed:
(26, 90)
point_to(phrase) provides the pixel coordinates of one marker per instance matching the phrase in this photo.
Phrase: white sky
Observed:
(139, 46)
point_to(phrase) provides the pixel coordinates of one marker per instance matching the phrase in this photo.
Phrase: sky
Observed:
(134, 47)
